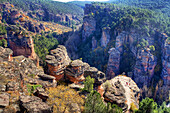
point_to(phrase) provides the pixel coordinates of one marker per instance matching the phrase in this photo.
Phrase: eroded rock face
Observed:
(57, 62)
(89, 26)
(166, 60)
(144, 68)
(105, 36)
(122, 91)
(113, 63)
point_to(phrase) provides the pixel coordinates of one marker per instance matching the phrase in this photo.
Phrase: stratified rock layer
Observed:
(122, 91)
(57, 62)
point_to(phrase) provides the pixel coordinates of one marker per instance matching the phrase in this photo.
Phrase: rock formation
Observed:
(113, 63)
(122, 91)
(105, 36)
(144, 68)
(89, 26)
(57, 62)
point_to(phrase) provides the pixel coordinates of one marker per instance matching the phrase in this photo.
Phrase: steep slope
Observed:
(48, 10)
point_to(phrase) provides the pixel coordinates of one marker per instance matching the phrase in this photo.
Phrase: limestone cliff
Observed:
(105, 36)
(166, 60)
(113, 63)
(89, 26)
(144, 62)
(144, 68)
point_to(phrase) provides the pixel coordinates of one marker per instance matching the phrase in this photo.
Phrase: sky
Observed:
(79, 0)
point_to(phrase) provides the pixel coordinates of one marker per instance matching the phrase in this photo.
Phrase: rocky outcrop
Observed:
(166, 60)
(113, 63)
(122, 91)
(89, 26)
(6, 54)
(105, 36)
(78, 70)
(57, 62)
(144, 68)
(32, 104)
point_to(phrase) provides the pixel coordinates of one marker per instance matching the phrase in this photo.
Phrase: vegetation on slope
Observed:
(155, 5)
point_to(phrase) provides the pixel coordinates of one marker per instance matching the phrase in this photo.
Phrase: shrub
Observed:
(88, 84)
(62, 99)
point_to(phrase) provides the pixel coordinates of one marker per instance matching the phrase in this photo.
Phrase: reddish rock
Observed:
(57, 62)
(23, 46)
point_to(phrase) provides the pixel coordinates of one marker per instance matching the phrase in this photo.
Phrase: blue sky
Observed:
(79, 0)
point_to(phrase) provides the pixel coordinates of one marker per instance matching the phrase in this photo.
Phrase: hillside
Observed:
(155, 5)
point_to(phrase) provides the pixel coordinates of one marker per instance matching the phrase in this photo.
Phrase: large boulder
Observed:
(32, 104)
(122, 91)
(57, 62)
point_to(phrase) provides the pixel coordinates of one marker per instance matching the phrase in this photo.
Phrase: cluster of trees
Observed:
(94, 103)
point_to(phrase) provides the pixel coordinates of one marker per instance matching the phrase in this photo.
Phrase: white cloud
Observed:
(80, 0)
